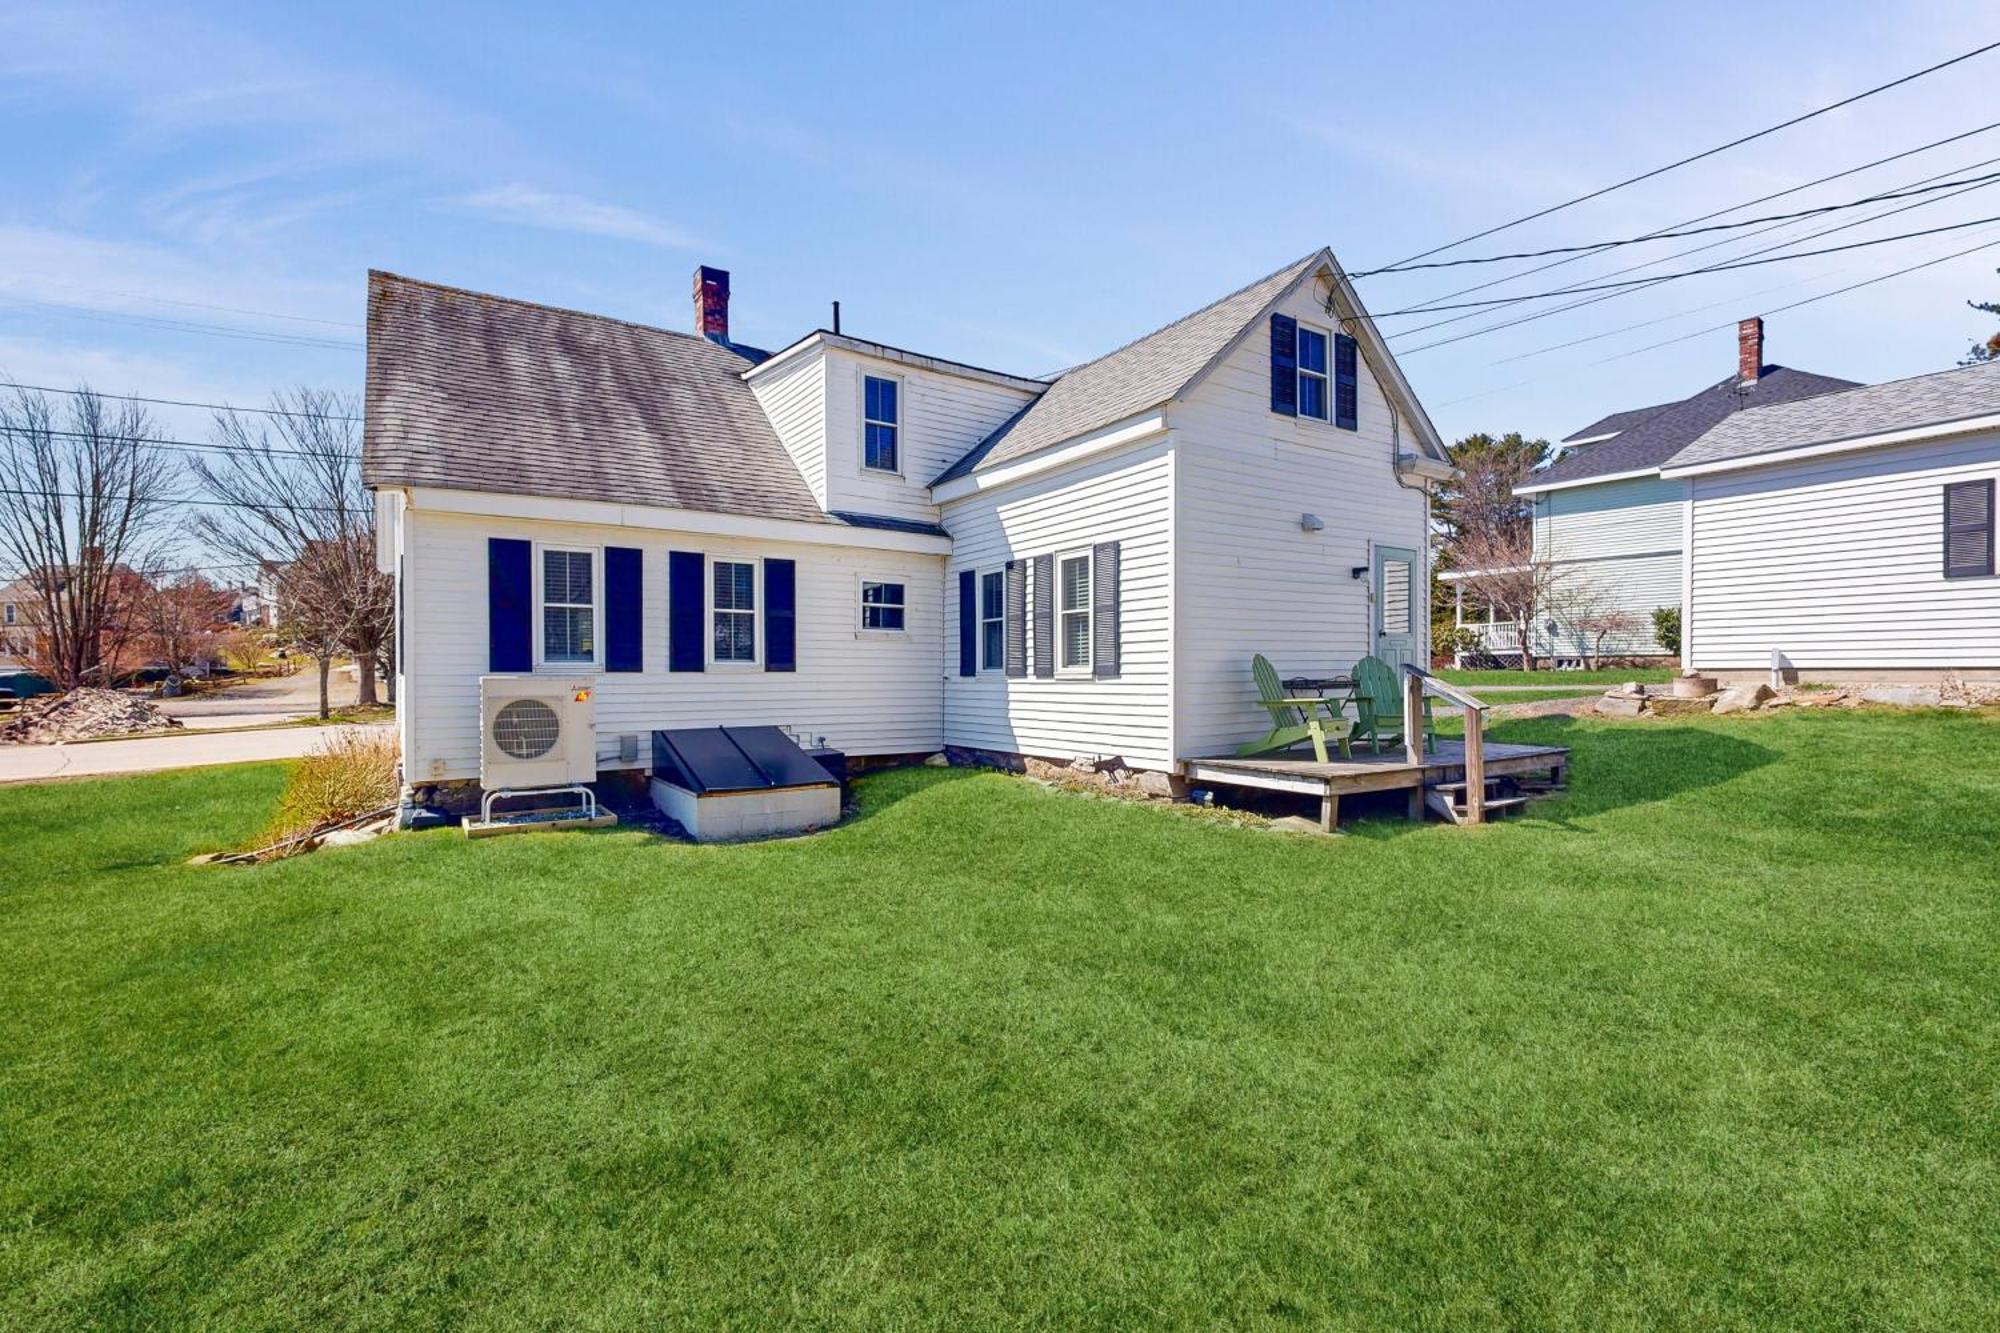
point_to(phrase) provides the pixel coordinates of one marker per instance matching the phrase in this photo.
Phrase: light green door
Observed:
(1396, 605)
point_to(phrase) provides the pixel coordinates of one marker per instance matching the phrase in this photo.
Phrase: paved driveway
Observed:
(78, 759)
(260, 702)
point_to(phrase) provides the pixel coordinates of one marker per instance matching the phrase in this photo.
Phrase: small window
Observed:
(1968, 529)
(1073, 634)
(10, 613)
(993, 621)
(881, 605)
(735, 610)
(881, 421)
(1312, 373)
(569, 607)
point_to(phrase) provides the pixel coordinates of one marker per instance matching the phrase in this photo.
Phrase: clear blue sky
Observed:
(1018, 186)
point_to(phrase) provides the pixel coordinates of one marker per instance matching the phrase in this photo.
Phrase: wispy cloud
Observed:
(528, 206)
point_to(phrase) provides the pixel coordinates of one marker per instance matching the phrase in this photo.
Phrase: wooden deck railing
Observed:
(1416, 683)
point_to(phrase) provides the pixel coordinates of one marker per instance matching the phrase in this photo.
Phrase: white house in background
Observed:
(1848, 536)
(890, 550)
(1610, 524)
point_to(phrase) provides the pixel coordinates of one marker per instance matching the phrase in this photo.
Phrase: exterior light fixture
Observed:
(1311, 523)
(1358, 572)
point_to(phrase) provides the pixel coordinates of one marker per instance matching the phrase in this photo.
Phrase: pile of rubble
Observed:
(81, 715)
(1699, 694)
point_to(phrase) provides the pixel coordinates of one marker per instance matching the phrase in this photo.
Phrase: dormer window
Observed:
(1312, 373)
(881, 424)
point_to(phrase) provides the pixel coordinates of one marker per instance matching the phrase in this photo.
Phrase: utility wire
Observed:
(194, 446)
(1707, 153)
(179, 402)
(1748, 203)
(35, 494)
(59, 311)
(1598, 247)
(225, 309)
(1695, 272)
(1660, 278)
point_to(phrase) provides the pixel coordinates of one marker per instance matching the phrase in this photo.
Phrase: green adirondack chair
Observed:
(1378, 693)
(1295, 720)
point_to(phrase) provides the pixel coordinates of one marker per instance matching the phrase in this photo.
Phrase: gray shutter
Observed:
(1017, 617)
(1104, 610)
(1045, 615)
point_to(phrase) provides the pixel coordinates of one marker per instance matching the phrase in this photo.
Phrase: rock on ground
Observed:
(1740, 698)
(83, 715)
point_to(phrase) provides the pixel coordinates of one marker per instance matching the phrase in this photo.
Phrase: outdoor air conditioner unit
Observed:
(536, 731)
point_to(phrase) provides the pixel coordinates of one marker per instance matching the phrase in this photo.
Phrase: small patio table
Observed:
(1341, 688)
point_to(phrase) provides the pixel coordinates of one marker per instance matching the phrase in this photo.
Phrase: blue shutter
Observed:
(510, 606)
(1285, 365)
(968, 623)
(624, 581)
(1017, 618)
(1104, 618)
(1346, 391)
(1042, 569)
(781, 618)
(686, 600)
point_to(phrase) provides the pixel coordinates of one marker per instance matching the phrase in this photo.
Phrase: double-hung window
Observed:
(734, 610)
(569, 606)
(993, 621)
(1312, 373)
(881, 423)
(881, 605)
(1073, 612)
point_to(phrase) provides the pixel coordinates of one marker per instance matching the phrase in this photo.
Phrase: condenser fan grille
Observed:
(526, 728)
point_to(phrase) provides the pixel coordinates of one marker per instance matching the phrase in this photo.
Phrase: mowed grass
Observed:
(1607, 676)
(1712, 1042)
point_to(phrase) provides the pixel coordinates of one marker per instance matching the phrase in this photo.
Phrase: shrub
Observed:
(351, 773)
(1457, 639)
(1667, 628)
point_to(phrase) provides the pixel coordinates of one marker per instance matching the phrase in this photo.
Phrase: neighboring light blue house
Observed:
(1613, 527)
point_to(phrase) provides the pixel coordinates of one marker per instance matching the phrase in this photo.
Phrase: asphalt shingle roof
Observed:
(481, 393)
(1614, 423)
(1927, 400)
(1139, 375)
(1668, 429)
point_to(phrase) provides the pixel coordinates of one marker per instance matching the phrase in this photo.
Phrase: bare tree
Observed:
(1500, 570)
(85, 497)
(293, 504)
(183, 623)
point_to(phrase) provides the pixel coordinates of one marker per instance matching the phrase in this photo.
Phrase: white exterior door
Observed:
(1396, 605)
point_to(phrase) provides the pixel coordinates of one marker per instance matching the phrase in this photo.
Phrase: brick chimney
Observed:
(711, 303)
(1749, 345)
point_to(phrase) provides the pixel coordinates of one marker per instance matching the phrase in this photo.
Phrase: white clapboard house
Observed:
(1848, 536)
(1609, 523)
(892, 551)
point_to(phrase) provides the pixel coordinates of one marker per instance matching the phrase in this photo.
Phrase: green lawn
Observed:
(1713, 1042)
(1610, 676)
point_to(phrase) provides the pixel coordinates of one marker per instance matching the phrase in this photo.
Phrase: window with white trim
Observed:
(10, 613)
(1312, 373)
(993, 621)
(881, 423)
(1073, 607)
(733, 610)
(568, 606)
(881, 605)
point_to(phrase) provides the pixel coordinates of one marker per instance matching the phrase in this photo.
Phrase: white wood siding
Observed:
(1126, 498)
(1249, 579)
(943, 418)
(1838, 563)
(1620, 540)
(866, 693)
(793, 397)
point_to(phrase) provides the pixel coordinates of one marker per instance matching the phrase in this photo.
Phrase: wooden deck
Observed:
(1444, 767)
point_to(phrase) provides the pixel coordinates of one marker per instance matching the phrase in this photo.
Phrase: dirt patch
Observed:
(82, 715)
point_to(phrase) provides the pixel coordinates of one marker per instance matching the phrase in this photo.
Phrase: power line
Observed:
(198, 447)
(178, 402)
(1711, 152)
(60, 311)
(1695, 272)
(1751, 203)
(1598, 247)
(225, 309)
(1660, 278)
(1748, 203)
(1823, 296)
(181, 500)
